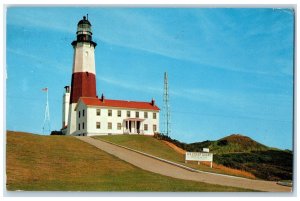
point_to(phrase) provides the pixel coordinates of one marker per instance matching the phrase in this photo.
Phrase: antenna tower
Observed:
(46, 124)
(166, 108)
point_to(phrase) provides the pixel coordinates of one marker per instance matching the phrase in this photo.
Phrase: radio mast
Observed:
(46, 124)
(166, 108)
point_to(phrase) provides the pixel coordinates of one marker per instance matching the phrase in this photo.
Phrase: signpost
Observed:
(199, 156)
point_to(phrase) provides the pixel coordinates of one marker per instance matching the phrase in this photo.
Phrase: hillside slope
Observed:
(243, 153)
(64, 163)
(230, 144)
(161, 149)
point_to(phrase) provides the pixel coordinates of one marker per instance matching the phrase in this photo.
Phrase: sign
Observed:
(205, 149)
(199, 156)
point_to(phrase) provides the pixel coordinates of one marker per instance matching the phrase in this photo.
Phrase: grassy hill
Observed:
(160, 149)
(64, 163)
(243, 153)
(236, 155)
(269, 164)
(230, 144)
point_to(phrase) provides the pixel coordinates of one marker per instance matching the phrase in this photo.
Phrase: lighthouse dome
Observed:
(84, 32)
(84, 21)
(84, 29)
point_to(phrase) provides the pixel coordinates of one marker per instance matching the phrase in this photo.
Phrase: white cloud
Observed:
(134, 29)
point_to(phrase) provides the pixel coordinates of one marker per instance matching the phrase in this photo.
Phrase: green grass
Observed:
(64, 163)
(160, 149)
(146, 144)
(230, 144)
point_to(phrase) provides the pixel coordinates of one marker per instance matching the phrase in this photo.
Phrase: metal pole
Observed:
(46, 123)
(166, 107)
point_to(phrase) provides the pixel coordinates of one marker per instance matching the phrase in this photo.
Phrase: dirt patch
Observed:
(229, 170)
(173, 146)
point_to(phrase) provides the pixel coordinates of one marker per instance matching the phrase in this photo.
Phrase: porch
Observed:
(133, 126)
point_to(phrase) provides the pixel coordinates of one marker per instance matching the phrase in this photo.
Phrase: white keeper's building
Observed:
(85, 114)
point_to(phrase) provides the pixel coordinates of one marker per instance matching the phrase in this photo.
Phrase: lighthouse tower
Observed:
(84, 75)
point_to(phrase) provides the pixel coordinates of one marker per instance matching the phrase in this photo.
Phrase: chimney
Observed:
(67, 88)
(152, 102)
(102, 98)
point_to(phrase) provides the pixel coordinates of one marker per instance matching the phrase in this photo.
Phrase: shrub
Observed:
(56, 133)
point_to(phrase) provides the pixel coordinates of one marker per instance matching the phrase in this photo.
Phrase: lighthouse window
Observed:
(109, 113)
(154, 115)
(79, 115)
(83, 113)
(98, 112)
(83, 125)
(78, 126)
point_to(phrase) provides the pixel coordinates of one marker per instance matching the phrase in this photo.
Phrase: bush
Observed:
(56, 133)
(161, 136)
(222, 143)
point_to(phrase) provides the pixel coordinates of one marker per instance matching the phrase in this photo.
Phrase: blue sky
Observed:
(230, 70)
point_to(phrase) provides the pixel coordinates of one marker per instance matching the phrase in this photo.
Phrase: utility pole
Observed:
(166, 108)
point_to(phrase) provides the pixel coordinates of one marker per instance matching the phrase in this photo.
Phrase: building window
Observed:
(145, 127)
(109, 125)
(98, 112)
(119, 113)
(109, 113)
(137, 114)
(154, 127)
(128, 113)
(78, 126)
(154, 115)
(98, 125)
(83, 113)
(119, 126)
(82, 124)
(79, 114)
(145, 114)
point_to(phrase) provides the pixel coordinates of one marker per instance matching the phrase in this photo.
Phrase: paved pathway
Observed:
(154, 165)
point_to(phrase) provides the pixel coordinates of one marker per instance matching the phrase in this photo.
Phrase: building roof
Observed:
(118, 103)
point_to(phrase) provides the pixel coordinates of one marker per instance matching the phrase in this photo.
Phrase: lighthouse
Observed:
(83, 82)
(84, 114)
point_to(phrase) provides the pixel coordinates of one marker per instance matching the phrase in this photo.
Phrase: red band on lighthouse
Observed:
(83, 85)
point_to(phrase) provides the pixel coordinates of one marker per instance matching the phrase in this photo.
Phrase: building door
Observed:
(129, 126)
(138, 125)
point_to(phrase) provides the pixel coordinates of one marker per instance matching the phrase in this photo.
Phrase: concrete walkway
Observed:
(168, 169)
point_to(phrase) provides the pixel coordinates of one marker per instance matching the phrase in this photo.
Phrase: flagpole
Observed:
(47, 113)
